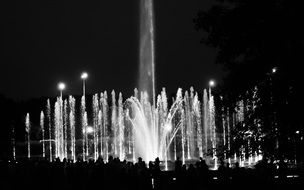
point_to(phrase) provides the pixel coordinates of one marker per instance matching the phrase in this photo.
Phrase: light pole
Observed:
(297, 133)
(85, 146)
(274, 124)
(61, 87)
(212, 122)
(211, 83)
(84, 76)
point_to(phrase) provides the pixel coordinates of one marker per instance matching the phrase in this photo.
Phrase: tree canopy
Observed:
(252, 37)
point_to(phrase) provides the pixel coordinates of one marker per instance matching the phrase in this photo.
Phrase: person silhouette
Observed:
(178, 165)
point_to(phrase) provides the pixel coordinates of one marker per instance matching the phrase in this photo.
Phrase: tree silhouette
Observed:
(253, 37)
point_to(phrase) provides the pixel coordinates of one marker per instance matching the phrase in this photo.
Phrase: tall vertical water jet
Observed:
(28, 129)
(42, 131)
(197, 114)
(175, 147)
(212, 128)
(65, 128)
(85, 123)
(95, 125)
(13, 141)
(105, 110)
(72, 127)
(192, 127)
(114, 123)
(206, 120)
(121, 128)
(100, 133)
(83, 127)
(61, 129)
(183, 135)
(101, 120)
(146, 49)
(228, 134)
(49, 120)
(224, 129)
(188, 118)
(58, 130)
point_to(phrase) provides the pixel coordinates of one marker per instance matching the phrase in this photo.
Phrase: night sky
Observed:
(50, 41)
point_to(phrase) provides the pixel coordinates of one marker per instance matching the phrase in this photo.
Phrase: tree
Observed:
(252, 37)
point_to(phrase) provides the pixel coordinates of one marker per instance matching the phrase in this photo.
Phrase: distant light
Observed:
(90, 129)
(297, 132)
(84, 75)
(274, 70)
(211, 83)
(61, 86)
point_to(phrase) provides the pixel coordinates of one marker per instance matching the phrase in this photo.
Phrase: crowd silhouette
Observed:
(117, 174)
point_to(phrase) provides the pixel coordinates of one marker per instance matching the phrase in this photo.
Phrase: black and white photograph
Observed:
(152, 95)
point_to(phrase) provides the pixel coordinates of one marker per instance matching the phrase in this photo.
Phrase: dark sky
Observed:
(50, 41)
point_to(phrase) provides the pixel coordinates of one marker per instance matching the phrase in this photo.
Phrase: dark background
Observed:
(50, 41)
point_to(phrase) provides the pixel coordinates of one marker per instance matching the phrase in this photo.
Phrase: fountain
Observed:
(128, 129)
(132, 128)
(184, 127)
(136, 128)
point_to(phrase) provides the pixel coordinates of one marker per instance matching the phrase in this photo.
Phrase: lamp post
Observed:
(61, 87)
(211, 83)
(85, 146)
(296, 136)
(84, 76)
(212, 122)
(273, 122)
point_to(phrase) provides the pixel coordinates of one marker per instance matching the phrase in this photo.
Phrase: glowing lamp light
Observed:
(211, 83)
(274, 70)
(84, 75)
(61, 86)
(297, 132)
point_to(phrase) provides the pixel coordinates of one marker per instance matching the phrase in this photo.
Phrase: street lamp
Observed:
(84, 76)
(61, 87)
(211, 83)
(274, 70)
(297, 135)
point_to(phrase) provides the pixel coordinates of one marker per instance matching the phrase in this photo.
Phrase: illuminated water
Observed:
(27, 129)
(130, 128)
(145, 125)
